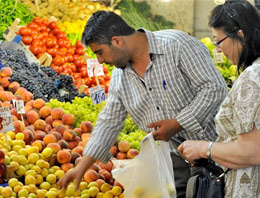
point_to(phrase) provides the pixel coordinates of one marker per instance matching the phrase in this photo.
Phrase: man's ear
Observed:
(117, 41)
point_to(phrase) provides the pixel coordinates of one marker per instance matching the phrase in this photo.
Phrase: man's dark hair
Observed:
(102, 26)
(235, 15)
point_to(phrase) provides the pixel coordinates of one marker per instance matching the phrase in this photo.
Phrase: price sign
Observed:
(218, 56)
(19, 106)
(97, 94)
(6, 120)
(94, 67)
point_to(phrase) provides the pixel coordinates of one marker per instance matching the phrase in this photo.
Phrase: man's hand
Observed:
(77, 173)
(165, 129)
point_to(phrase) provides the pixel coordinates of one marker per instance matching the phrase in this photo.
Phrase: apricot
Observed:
(38, 103)
(63, 144)
(113, 150)
(5, 82)
(39, 125)
(28, 136)
(56, 123)
(49, 139)
(69, 135)
(78, 131)
(68, 119)
(20, 91)
(32, 116)
(54, 146)
(100, 182)
(14, 112)
(108, 166)
(49, 120)
(90, 176)
(27, 96)
(74, 156)
(106, 174)
(121, 155)
(86, 126)
(63, 156)
(132, 153)
(72, 144)
(13, 86)
(45, 111)
(67, 166)
(18, 126)
(6, 72)
(27, 108)
(95, 167)
(57, 135)
(61, 128)
(123, 146)
(77, 149)
(39, 135)
(3, 96)
(57, 113)
(30, 103)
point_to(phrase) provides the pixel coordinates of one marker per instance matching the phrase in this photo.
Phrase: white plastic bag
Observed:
(149, 174)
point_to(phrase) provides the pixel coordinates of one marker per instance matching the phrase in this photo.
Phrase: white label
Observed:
(19, 106)
(97, 94)
(94, 67)
(218, 56)
(6, 120)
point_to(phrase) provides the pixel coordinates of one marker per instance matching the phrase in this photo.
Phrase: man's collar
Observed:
(154, 46)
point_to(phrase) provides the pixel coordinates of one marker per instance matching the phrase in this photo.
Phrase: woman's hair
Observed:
(236, 15)
(102, 26)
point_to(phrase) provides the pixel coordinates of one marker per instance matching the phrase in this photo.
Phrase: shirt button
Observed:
(150, 89)
(158, 108)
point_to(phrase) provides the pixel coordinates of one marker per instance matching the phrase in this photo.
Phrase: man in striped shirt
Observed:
(165, 80)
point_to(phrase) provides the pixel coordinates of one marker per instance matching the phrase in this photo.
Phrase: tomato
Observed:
(84, 72)
(50, 42)
(93, 81)
(37, 20)
(78, 62)
(76, 75)
(80, 51)
(45, 22)
(53, 25)
(45, 34)
(75, 57)
(34, 31)
(36, 49)
(40, 36)
(67, 71)
(88, 81)
(56, 31)
(106, 87)
(69, 58)
(60, 42)
(27, 40)
(101, 80)
(61, 35)
(71, 51)
(105, 69)
(62, 51)
(34, 36)
(79, 44)
(52, 52)
(73, 67)
(32, 25)
(37, 42)
(107, 78)
(40, 54)
(25, 31)
(58, 60)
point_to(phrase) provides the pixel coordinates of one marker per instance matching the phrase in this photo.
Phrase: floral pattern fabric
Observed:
(239, 112)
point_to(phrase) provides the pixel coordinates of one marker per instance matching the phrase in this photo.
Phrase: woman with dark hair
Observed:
(236, 30)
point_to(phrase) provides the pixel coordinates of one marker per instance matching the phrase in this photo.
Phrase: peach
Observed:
(63, 156)
(14, 112)
(2, 156)
(30, 103)
(123, 146)
(54, 146)
(39, 125)
(95, 167)
(7, 104)
(38, 103)
(63, 144)
(49, 120)
(69, 135)
(14, 118)
(132, 153)
(66, 166)
(72, 144)
(45, 111)
(100, 182)
(32, 116)
(108, 166)
(27, 108)
(56, 123)
(68, 119)
(3, 96)
(86, 126)
(18, 126)
(5, 82)
(27, 96)
(48, 128)
(28, 136)
(121, 155)
(78, 131)
(78, 139)
(20, 91)
(39, 135)
(100, 176)
(113, 150)
(69, 126)
(49, 139)
(13, 86)
(57, 135)
(1, 88)
(78, 149)
(57, 113)
(90, 176)
(6, 72)
(61, 129)
(106, 174)
(74, 156)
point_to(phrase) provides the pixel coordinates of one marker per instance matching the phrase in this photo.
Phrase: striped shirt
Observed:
(180, 82)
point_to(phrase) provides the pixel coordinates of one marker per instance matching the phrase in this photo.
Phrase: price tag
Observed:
(94, 67)
(218, 56)
(97, 94)
(19, 106)
(6, 120)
